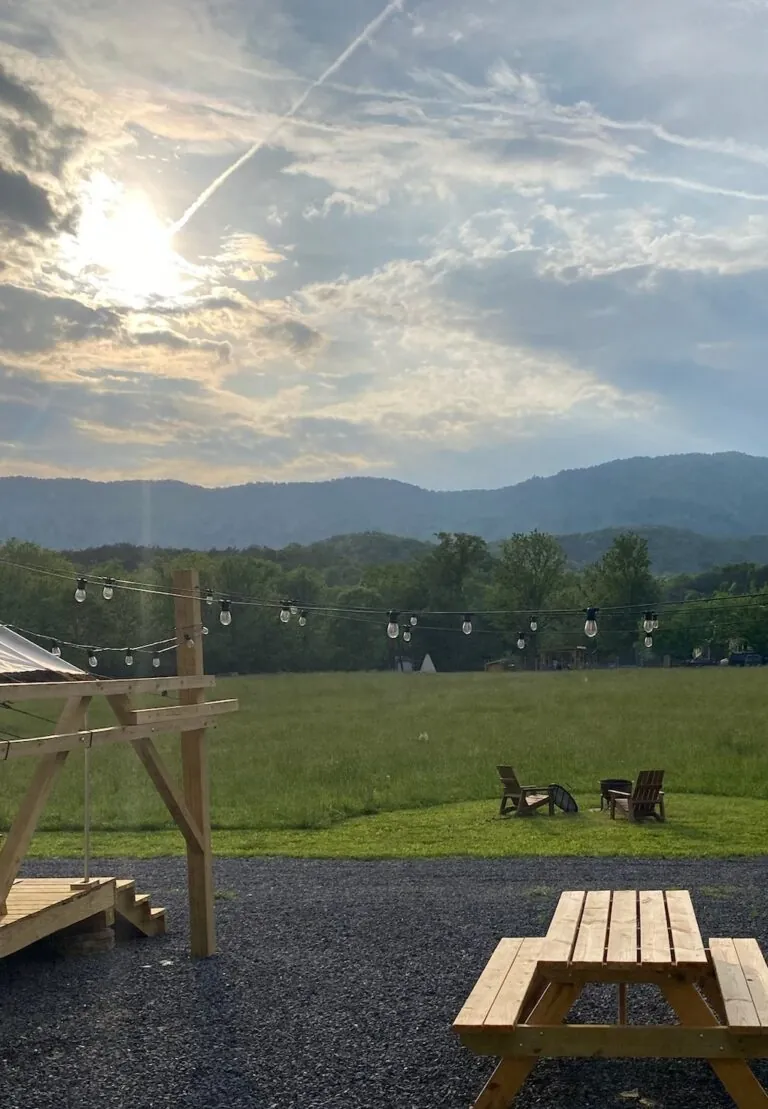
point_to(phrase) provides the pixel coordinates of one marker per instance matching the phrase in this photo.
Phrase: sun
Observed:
(122, 250)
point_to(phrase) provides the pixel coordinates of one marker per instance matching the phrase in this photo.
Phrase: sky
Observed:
(498, 239)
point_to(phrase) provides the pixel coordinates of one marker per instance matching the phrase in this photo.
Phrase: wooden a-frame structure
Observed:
(49, 904)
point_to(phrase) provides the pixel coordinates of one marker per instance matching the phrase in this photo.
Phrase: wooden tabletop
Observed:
(623, 929)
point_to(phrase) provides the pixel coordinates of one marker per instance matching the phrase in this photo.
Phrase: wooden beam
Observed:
(613, 1041)
(170, 792)
(171, 713)
(41, 691)
(196, 717)
(23, 828)
(194, 764)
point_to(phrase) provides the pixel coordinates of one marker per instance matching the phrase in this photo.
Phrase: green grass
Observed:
(700, 827)
(393, 765)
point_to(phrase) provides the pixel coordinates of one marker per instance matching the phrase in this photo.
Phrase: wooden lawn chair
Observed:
(522, 800)
(645, 801)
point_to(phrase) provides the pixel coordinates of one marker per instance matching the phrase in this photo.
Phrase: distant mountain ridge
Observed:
(723, 495)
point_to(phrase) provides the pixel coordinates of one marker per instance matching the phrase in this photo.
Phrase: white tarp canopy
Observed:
(22, 660)
(428, 666)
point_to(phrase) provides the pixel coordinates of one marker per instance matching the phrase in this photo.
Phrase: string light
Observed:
(156, 660)
(294, 609)
(414, 620)
(225, 616)
(521, 640)
(209, 596)
(649, 640)
(93, 661)
(189, 641)
(393, 628)
(285, 612)
(108, 591)
(80, 591)
(534, 624)
(55, 649)
(129, 657)
(655, 622)
(204, 630)
(303, 618)
(648, 623)
(406, 635)
(590, 627)
(466, 627)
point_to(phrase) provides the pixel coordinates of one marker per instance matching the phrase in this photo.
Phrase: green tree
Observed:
(529, 577)
(623, 580)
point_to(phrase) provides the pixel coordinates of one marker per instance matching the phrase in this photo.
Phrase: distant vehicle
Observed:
(745, 658)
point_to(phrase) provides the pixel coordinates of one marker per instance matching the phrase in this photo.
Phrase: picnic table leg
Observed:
(510, 1074)
(735, 1074)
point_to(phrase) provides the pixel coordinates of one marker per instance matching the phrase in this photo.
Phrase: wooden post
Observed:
(194, 764)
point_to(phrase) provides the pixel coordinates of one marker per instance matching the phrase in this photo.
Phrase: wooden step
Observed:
(138, 911)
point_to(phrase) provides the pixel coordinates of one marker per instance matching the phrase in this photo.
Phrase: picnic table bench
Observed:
(519, 1004)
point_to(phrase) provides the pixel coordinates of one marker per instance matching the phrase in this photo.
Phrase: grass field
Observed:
(310, 759)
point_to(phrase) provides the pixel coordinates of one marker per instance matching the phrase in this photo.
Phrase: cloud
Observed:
(24, 205)
(505, 236)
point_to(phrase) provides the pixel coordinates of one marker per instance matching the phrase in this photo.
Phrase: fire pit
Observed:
(621, 785)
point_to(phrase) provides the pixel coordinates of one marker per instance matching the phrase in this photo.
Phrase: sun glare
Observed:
(122, 250)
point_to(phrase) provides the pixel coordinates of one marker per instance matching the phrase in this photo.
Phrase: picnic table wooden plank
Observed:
(483, 995)
(593, 929)
(622, 928)
(756, 974)
(508, 1003)
(740, 1009)
(654, 929)
(687, 945)
(561, 934)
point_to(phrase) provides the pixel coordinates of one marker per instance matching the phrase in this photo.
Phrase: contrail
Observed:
(364, 37)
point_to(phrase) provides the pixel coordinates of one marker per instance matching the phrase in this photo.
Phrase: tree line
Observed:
(348, 601)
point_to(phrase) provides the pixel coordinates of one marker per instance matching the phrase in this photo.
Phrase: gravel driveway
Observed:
(336, 986)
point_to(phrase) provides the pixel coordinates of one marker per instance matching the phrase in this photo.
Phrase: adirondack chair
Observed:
(646, 799)
(522, 800)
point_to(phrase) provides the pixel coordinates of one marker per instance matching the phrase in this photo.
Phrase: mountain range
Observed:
(716, 495)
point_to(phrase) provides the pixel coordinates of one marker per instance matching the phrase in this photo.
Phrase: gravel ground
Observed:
(336, 986)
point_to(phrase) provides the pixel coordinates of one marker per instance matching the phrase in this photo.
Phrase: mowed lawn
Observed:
(376, 765)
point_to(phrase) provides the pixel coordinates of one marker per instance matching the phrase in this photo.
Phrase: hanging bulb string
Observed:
(739, 600)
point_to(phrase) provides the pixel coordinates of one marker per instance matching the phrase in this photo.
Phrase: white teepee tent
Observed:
(428, 666)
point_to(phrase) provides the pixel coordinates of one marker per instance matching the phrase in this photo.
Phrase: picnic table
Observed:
(719, 994)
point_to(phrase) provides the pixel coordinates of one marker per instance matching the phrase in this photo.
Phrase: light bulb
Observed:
(414, 620)
(649, 640)
(156, 661)
(466, 627)
(108, 591)
(190, 642)
(590, 627)
(393, 628)
(303, 620)
(55, 649)
(129, 658)
(294, 609)
(406, 635)
(93, 662)
(80, 591)
(225, 616)
(204, 630)
(534, 624)
(648, 623)
(285, 615)
(655, 622)
(521, 641)
(209, 596)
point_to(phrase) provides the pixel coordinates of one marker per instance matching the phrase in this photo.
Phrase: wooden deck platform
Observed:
(40, 907)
